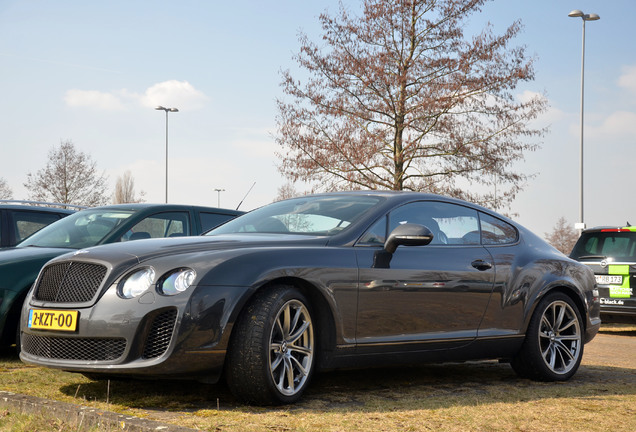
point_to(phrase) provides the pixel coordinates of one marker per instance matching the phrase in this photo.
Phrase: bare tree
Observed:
(5, 190)
(287, 191)
(70, 177)
(563, 236)
(399, 99)
(125, 190)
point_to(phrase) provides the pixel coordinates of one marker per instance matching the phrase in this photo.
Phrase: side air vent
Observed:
(160, 334)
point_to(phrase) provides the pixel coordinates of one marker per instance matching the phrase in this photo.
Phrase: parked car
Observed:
(20, 219)
(318, 282)
(611, 253)
(19, 266)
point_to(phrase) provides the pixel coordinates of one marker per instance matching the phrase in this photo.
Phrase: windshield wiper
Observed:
(592, 257)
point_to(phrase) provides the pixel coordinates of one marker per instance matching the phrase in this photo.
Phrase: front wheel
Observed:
(553, 348)
(271, 354)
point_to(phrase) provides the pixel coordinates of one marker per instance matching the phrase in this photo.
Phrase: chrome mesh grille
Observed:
(69, 282)
(160, 334)
(88, 349)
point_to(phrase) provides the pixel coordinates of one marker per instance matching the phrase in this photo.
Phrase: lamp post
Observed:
(167, 110)
(218, 203)
(585, 17)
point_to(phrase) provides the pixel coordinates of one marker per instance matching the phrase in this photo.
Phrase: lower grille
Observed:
(160, 334)
(88, 349)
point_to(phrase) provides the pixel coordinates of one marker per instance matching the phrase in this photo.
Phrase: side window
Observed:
(27, 223)
(376, 235)
(169, 224)
(495, 231)
(450, 223)
(213, 220)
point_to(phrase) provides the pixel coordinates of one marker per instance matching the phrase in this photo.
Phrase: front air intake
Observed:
(69, 282)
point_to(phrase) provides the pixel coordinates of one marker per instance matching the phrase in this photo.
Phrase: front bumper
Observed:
(153, 335)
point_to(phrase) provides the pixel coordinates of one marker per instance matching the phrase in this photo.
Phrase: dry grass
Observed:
(481, 396)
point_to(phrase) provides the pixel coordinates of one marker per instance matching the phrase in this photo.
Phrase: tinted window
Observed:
(376, 235)
(495, 231)
(26, 223)
(611, 244)
(170, 224)
(213, 220)
(450, 223)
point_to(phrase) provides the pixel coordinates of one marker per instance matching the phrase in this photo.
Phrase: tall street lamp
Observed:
(218, 203)
(167, 110)
(585, 17)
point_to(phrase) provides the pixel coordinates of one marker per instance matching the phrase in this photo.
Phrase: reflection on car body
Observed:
(323, 281)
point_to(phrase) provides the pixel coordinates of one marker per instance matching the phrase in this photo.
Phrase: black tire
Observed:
(272, 349)
(553, 347)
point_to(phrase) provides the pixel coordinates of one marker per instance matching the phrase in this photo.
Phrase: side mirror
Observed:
(408, 235)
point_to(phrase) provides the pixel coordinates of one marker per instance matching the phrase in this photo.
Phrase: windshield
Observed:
(610, 244)
(315, 215)
(79, 230)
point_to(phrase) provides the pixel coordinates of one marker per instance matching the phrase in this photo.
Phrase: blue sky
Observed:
(92, 72)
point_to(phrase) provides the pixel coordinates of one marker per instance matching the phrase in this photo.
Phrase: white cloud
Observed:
(549, 117)
(628, 78)
(93, 99)
(527, 96)
(175, 93)
(620, 124)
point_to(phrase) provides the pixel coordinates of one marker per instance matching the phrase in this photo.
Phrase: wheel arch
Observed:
(321, 309)
(11, 322)
(567, 290)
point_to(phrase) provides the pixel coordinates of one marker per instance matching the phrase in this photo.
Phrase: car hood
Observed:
(142, 250)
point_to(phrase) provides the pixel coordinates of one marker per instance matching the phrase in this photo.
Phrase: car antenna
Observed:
(628, 224)
(250, 190)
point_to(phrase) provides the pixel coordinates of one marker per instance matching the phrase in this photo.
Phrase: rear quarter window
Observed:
(495, 231)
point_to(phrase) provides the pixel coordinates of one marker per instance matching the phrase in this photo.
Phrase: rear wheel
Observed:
(553, 348)
(271, 355)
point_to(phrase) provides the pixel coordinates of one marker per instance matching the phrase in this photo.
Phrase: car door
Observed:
(423, 296)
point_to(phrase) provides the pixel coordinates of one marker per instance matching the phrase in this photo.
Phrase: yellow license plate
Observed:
(53, 319)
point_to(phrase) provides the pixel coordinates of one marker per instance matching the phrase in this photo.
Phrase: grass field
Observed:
(480, 396)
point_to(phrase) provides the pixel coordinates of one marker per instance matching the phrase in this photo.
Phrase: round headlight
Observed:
(137, 283)
(177, 282)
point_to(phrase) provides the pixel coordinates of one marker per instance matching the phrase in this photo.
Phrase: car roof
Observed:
(42, 209)
(164, 207)
(404, 196)
(628, 228)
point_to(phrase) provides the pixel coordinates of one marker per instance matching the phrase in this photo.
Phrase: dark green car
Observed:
(20, 266)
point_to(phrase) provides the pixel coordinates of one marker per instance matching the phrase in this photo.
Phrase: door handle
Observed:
(481, 265)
